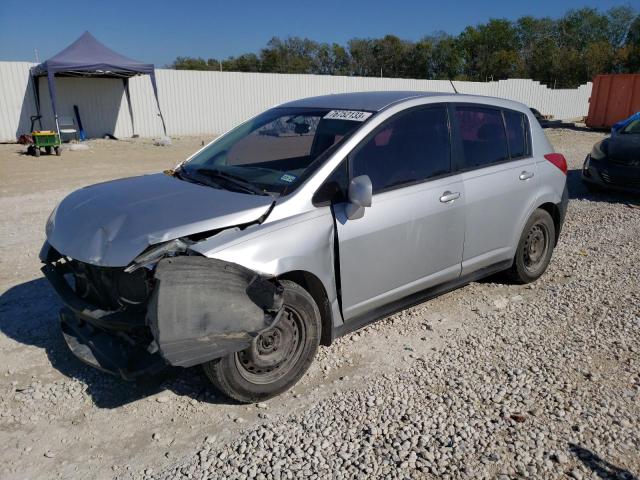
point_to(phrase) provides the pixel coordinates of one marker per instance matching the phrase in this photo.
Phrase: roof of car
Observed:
(371, 101)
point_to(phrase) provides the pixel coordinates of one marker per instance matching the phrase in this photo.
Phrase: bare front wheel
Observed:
(277, 358)
(534, 248)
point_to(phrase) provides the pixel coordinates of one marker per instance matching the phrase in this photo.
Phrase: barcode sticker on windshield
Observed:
(353, 115)
(287, 178)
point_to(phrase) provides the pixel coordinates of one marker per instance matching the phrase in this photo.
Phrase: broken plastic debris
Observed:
(162, 141)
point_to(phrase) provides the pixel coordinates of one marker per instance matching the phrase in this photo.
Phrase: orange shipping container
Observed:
(613, 98)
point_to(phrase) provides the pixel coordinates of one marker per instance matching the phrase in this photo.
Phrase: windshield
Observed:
(273, 152)
(633, 127)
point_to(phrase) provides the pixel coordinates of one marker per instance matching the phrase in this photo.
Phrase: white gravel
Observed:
(490, 381)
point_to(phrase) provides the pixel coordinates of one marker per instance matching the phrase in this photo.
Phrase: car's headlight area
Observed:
(153, 255)
(600, 150)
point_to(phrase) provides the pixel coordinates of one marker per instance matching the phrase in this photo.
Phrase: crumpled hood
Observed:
(111, 223)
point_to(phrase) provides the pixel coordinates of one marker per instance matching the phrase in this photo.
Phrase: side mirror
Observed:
(360, 193)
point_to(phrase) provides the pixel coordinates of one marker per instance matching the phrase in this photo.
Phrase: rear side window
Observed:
(483, 136)
(410, 147)
(517, 133)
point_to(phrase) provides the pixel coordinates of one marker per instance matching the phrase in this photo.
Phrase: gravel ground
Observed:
(490, 381)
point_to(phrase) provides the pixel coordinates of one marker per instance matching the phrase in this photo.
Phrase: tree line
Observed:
(561, 53)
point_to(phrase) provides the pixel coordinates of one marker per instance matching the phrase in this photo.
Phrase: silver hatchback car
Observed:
(306, 222)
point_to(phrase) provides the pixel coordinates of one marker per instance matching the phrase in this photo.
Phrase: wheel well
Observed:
(313, 285)
(553, 210)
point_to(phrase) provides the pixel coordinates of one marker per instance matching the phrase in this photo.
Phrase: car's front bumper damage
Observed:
(611, 176)
(199, 309)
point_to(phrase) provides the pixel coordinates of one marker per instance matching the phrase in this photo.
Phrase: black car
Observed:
(614, 163)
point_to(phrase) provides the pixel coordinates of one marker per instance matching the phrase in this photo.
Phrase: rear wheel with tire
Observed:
(534, 248)
(277, 358)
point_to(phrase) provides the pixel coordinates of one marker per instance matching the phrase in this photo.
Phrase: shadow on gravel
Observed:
(578, 191)
(599, 466)
(29, 315)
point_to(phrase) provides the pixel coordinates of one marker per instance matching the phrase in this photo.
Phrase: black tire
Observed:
(58, 151)
(244, 377)
(48, 150)
(36, 152)
(534, 248)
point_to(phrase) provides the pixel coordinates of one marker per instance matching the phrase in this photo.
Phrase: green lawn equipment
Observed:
(47, 139)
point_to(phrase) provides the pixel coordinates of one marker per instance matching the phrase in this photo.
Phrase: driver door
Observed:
(412, 236)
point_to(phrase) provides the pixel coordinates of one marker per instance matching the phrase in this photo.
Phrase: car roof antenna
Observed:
(453, 86)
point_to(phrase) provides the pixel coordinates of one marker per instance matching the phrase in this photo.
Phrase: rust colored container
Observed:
(613, 98)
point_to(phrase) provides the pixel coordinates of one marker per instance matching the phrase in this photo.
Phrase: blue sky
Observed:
(158, 31)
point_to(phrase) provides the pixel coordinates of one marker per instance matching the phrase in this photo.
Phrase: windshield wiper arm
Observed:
(233, 179)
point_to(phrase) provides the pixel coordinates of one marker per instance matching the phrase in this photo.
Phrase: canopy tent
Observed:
(87, 57)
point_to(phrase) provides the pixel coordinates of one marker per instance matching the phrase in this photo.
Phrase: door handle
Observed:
(525, 175)
(448, 197)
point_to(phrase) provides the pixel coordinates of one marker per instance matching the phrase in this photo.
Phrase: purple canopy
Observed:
(87, 57)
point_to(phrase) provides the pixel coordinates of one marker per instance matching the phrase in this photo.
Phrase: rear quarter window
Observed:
(517, 133)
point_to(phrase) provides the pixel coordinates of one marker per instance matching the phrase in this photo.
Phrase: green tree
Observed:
(564, 53)
(362, 57)
(631, 54)
(491, 50)
(190, 63)
(247, 62)
(447, 59)
(292, 55)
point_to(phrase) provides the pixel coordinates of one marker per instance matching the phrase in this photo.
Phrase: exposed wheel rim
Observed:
(536, 246)
(275, 352)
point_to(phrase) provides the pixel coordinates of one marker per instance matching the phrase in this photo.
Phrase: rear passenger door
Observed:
(411, 237)
(498, 171)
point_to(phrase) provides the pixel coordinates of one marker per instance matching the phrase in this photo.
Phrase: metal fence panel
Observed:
(207, 103)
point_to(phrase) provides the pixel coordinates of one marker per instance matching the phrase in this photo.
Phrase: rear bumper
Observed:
(611, 176)
(562, 207)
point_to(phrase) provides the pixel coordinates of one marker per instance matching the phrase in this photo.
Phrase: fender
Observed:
(274, 248)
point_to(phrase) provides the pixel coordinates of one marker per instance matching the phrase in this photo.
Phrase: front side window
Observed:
(411, 147)
(272, 152)
(483, 136)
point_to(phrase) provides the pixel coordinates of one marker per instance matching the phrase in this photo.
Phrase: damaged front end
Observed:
(168, 307)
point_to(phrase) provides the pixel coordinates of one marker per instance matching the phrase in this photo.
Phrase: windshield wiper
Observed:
(232, 179)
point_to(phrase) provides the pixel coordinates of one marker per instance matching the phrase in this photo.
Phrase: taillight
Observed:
(558, 160)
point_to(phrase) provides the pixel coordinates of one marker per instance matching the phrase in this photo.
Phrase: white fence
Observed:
(196, 103)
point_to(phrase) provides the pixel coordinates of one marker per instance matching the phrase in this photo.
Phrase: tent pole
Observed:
(125, 81)
(35, 83)
(152, 76)
(58, 127)
(51, 77)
